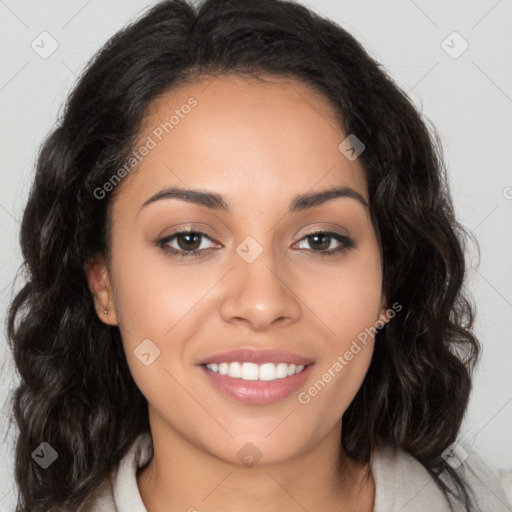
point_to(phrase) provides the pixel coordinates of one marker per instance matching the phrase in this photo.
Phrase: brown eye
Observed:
(188, 241)
(184, 244)
(321, 242)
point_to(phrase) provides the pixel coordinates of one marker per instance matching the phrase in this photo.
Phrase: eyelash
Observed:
(346, 244)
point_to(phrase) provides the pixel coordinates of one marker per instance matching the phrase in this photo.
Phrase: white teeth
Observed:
(235, 370)
(281, 370)
(268, 371)
(253, 371)
(249, 371)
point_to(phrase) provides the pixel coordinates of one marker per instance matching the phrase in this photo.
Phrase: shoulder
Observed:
(485, 481)
(119, 492)
(102, 500)
(403, 483)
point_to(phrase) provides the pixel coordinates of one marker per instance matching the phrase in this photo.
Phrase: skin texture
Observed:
(259, 145)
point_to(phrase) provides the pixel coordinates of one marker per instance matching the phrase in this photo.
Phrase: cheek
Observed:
(157, 312)
(346, 297)
(348, 302)
(334, 387)
(150, 298)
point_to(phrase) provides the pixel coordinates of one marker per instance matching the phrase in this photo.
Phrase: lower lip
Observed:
(257, 392)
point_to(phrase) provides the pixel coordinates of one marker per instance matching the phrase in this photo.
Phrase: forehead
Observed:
(243, 137)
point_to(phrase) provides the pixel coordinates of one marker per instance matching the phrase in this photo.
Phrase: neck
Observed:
(182, 477)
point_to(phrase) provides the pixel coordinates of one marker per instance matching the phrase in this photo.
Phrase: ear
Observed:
(384, 316)
(101, 289)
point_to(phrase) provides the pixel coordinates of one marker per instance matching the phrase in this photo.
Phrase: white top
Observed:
(402, 484)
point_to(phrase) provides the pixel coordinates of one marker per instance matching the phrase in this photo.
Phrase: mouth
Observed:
(253, 371)
(257, 377)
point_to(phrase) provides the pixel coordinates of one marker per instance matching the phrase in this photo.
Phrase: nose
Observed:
(261, 294)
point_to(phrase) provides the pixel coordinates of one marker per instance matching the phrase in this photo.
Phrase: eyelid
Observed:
(187, 228)
(345, 241)
(184, 231)
(325, 227)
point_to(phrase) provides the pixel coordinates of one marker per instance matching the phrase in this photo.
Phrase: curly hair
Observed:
(76, 391)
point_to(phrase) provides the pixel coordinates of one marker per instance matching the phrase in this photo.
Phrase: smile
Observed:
(253, 371)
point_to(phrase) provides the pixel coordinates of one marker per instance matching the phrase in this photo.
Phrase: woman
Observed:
(245, 281)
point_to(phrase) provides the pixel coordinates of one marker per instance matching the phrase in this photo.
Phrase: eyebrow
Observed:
(216, 201)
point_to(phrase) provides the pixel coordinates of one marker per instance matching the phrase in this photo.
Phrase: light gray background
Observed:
(468, 98)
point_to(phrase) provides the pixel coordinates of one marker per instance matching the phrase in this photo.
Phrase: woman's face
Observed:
(262, 283)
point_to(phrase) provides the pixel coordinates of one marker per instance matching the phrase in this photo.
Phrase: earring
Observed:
(105, 311)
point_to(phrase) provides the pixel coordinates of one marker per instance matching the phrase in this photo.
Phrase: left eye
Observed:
(319, 239)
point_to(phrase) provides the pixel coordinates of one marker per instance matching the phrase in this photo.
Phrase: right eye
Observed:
(187, 244)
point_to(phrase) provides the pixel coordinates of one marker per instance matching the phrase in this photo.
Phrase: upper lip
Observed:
(251, 355)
